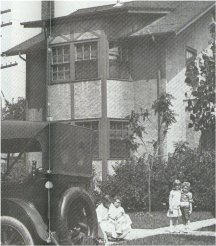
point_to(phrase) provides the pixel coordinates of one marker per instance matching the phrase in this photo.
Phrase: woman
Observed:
(106, 228)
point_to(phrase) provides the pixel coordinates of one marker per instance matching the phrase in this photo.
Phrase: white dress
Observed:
(103, 220)
(174, 204)
(123, 223)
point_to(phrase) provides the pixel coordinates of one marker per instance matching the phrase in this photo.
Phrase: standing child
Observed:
(186, 205)
(174, 211)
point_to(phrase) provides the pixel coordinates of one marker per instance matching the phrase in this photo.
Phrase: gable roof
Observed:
(127, 6)
(144, 6)
(180, 14)
(32, 43)
(178, 19)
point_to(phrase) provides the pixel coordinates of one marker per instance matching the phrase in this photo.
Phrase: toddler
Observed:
(116, 215)
(174, 211)
(186, 205)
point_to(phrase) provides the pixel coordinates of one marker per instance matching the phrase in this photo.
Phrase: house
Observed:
(93, 66)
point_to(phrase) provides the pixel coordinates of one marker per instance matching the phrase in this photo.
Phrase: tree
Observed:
(14, 110)
(166, 117)
(200, 77)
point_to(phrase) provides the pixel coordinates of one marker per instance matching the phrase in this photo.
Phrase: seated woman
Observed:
(120, 220)
(106, 228)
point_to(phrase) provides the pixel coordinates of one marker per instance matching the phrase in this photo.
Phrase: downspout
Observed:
(22, 57)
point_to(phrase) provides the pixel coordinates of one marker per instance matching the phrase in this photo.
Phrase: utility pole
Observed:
(7, 23)
(4, 25)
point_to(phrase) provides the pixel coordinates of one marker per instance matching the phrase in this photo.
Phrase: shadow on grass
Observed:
(167, 239)
(208, 228)
(159, 219)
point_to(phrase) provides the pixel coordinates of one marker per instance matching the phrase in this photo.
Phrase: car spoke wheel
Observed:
(77, 218)
(13, 232)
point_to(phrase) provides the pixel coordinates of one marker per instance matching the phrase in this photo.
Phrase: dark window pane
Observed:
(94, 51)
(86, 69)
(79, 52)
(86, 52)
(118, 149)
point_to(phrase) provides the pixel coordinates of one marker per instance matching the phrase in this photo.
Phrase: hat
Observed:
(176, 182)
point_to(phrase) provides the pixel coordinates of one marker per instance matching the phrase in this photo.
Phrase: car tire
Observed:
(12, 229)
(71, 204)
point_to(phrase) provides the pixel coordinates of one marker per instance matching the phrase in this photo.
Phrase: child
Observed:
(186, 205)
(118, 217)
(174, 211)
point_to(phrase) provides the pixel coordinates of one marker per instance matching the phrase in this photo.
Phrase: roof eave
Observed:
(194, 19)
(152, 34)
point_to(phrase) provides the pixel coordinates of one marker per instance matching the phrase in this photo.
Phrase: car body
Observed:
(52, 203)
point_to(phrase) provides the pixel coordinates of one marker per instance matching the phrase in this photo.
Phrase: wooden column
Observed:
(104, 126)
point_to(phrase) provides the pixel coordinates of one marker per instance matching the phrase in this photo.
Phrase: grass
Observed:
(167, 239)
(159, 219)
(208, 228)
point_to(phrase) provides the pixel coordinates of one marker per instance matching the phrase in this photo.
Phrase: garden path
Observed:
(141, 233)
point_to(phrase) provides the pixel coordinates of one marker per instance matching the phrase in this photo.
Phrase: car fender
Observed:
(31, 212)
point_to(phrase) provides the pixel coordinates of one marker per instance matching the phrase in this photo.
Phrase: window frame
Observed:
(118, 137)
(193, 52)
(62, 64)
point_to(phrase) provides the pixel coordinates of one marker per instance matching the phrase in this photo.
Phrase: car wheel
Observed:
(14, 232)
(78, 219)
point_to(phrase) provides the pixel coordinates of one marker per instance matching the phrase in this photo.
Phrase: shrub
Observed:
(130, 180)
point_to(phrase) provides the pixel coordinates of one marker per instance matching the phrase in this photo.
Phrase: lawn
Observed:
(208, 228)
(167, 239)
(159, 219)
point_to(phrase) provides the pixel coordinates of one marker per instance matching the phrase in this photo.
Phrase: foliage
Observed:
(130, 180)
(14, 110)
(161, 106)
(200, 77)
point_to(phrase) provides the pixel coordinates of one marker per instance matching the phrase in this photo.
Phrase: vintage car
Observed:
(51, 205)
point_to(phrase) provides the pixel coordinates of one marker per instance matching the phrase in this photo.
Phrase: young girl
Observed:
(186, 205)
(174, 211)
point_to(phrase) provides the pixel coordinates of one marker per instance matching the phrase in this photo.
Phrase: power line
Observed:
(5, 11)
(9, 65)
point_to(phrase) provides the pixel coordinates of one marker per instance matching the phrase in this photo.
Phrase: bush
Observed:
(130, 180)
(131, 183)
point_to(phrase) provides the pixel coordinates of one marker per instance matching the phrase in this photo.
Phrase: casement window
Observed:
(86, 60)
(118, 145)
(190, 55)
(61, 63)
(118, 61)
(93, 125)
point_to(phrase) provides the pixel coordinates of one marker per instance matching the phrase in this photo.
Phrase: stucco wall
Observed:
(196, 36)
(59, 97)
(87, 99)
(120, 98)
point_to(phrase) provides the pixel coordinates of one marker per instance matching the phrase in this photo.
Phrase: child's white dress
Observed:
(174, 204)
(123, 223)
